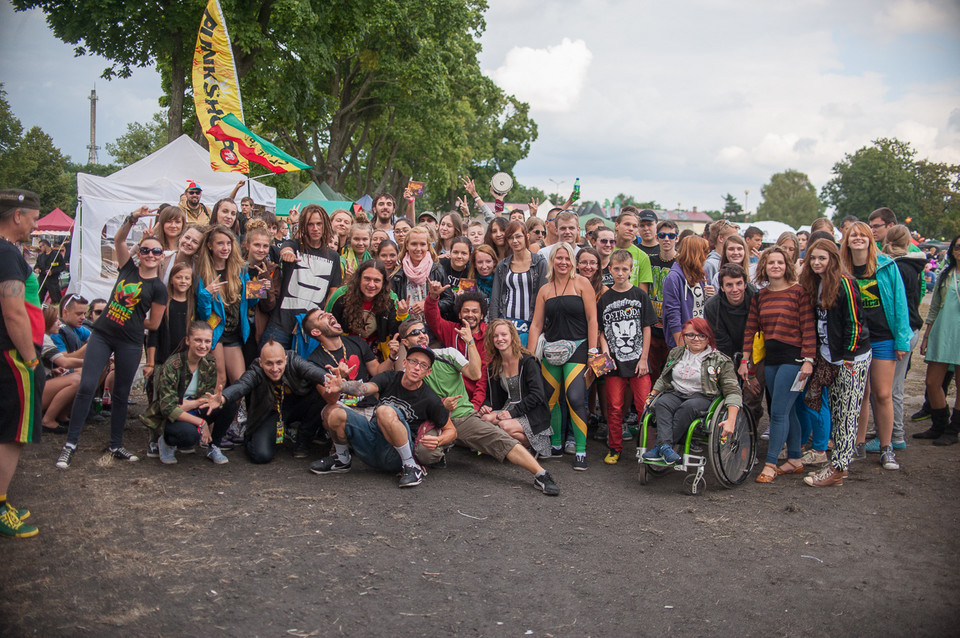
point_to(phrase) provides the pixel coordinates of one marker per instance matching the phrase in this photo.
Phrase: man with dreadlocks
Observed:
(309, 271)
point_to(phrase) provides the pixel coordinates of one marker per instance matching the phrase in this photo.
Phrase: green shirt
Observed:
(641, 273)
(445, 379)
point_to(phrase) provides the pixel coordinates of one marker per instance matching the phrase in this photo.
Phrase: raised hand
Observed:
(394, 346)
(436, 288)
(407, 194)
(293, 216)
(214, 286)
(534, 206)
(417, 308)
(333, 382)
(403, 307)
(469, 186)
(464, 331)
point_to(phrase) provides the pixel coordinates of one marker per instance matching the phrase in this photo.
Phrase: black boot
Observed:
(949, 436)
(939, 418)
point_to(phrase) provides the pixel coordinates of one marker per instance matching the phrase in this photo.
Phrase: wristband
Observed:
(395, 359)
(33, 363)
(808, 360)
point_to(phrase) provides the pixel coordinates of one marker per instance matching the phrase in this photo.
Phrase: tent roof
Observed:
(168, 170)
(312, 191)
(55, 220)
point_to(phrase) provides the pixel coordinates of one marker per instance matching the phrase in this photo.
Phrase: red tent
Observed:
(55, 220)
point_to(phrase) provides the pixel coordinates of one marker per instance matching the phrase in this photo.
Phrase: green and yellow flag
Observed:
(251, 147)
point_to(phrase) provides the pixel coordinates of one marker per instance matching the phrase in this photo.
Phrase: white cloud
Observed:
(550, 79)
(918, 16)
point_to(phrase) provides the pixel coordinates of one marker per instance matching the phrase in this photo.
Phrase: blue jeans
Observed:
(784, 424)
(815, 423)
(276, 333)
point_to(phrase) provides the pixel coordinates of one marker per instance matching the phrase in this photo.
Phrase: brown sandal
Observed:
(763, 477)
(790, 468)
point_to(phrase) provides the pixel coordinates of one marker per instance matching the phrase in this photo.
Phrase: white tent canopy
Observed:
(160, 177)
(771, 229)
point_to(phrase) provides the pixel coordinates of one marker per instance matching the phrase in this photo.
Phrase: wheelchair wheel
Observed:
(694, 486)
(733, 460)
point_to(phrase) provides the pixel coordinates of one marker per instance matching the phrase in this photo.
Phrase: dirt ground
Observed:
(195, 549)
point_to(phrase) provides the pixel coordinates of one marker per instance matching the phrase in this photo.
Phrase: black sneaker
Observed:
(546, 484)
(302, 449)
(601, 433)
(153, 450)
(580, 463)
(920, 414)
(66, 456)
(411, 476)
(123, 454)
(330, 465)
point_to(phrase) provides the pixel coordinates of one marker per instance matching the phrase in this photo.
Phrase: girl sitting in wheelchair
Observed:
(695, 374)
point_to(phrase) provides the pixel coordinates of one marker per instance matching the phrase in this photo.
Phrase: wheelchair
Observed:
(731, 460)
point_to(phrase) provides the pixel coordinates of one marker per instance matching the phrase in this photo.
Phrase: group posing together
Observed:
(511, 336)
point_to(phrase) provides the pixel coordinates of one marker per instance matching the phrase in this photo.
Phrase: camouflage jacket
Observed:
(170, 381)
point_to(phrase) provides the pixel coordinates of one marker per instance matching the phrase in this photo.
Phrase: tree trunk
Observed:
(178, 87)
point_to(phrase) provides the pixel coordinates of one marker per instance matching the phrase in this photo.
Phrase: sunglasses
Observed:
(606, 242)
(416, 333)
(71, 298)
(537, 231)
(156, 252)
(667, 235)
(96, 313)
(196, 191)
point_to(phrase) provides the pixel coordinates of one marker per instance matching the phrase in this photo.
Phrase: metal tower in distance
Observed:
(92, 147)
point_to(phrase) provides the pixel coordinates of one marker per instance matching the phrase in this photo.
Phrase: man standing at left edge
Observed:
(21, 335)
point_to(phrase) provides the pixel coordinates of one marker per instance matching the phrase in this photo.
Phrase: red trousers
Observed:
(616, 388)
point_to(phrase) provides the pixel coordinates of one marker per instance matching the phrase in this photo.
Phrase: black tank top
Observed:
(565, 318)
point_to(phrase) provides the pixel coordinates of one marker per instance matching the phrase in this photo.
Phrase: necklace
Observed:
(343, 350)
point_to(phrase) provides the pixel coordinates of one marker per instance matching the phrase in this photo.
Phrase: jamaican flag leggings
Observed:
(567, 390)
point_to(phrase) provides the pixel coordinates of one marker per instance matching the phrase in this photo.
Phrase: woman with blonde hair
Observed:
(418, 264)
(341, 221)
(565, 313)
(222, 299)
(515, 398)
(885, 307)
(735, 251)
(684, 288)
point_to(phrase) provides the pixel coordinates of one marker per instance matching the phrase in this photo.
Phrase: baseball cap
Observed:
(17, 198)
(647, 215)
(428, 213)
(423, 350)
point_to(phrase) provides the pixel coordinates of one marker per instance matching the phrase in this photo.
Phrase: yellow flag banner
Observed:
(216, 88)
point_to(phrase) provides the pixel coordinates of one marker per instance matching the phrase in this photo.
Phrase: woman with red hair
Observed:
(695, 374)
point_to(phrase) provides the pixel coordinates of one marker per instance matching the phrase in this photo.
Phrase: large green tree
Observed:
(370, 92)
(882, 174)
(139, 140)
(35, 164)
(938, 210)
(790, 198)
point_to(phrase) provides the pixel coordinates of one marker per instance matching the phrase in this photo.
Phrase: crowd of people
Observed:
(393, 335)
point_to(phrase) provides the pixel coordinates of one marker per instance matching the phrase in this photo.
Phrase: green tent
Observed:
(313, 194)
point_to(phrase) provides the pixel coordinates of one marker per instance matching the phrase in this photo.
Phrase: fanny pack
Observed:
(559, 352)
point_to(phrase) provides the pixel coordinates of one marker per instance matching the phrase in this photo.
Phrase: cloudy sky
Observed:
(677, 102)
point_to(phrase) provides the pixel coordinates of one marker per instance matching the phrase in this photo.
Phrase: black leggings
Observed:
(126, 359)
(183, 434)
(261, 440)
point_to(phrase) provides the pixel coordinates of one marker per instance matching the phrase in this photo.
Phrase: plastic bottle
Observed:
(576, 190)
(107, 399)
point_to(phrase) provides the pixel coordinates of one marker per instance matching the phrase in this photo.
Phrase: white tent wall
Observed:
(160, 177)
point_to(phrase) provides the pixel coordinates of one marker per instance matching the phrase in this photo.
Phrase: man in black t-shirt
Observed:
(660, 265)
(334, 350)
(21, 335)
(386, 441)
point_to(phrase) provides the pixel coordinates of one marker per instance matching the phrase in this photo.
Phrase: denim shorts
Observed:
(883, 350)
(369, 444)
